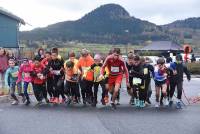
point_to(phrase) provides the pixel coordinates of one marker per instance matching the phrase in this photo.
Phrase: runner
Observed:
(96, 67)
(116, 67)
(72, 58)
(11, 79)
(178, 68)
(160, 76)
(38, 80)
(49, 76)
(55, 67)
(71, 82)
(25, 70)
(86, 81)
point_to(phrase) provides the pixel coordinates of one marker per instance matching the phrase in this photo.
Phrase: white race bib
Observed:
(115, 69)
(14, 75)
(27, 75)
(137, 81)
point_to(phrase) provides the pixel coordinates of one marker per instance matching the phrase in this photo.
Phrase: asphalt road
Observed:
(76, 119)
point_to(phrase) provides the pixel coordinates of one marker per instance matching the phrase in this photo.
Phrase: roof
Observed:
(10, 15)
(162, 46)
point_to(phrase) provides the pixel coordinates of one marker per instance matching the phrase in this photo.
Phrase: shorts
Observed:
(113, 80)
(160, 83)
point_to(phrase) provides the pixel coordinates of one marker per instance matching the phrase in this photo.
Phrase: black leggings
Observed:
(50, 87)
(96, 87)
(140, 92)
(58, 85)
(39, 91)
(86, 89)
(72, 89)
(179, 86)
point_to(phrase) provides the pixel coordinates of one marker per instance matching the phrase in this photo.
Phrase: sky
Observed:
(41, 13)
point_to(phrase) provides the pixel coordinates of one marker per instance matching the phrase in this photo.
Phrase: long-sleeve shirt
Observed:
(25, 70)
(84, 65)
(4, 63)
(11, 75)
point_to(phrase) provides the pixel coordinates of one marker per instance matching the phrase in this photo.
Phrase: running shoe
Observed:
(113, 106)
(156, 104)
(166, 102)
(142, 105)
(137, 103)
(56, 101)
(178, 105)
(170, 103)
(15, 102)
(27, 102)
(132, 102)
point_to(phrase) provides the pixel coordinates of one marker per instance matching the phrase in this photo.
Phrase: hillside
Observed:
(109, 23)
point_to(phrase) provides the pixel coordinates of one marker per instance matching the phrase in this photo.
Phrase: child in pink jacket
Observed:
(26, 70)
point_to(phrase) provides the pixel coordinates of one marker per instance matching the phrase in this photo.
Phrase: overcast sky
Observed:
(40, 13)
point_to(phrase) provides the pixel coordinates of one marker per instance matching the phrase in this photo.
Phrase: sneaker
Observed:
(166, 102)
(23, 99)
(178, 105)
(137, 103)
(27, 102)
(56, 101)
(113, 106)
(142, 105)
(15, 102)
(51, 99)
(170, 103)
(118, 103)
(132, 101)
(148, 101)
(156, 104)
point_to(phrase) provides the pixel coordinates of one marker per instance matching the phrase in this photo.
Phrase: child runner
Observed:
(25, 70)
(11, 76)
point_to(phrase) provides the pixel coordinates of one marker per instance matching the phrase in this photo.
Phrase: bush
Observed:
(194, 68)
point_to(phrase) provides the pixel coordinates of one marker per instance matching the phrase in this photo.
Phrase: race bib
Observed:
(56, 72)
(137, 81)
(115, 69)
(14, 75)
(27, 75)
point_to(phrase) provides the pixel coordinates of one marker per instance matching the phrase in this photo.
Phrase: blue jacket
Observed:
(11, 75)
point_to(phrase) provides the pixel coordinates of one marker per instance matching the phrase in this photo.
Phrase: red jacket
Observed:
(35, 71)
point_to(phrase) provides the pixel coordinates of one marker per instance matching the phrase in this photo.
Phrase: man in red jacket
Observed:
(38, 81)
(117, 68)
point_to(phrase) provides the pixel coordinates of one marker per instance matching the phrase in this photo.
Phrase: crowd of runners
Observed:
(77, 81)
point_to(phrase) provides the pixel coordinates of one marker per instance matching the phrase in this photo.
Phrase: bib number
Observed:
(27, 75)
(137, 81)
(115, 69)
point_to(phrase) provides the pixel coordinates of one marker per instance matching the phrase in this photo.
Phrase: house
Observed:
(9, 29)
(161, 48)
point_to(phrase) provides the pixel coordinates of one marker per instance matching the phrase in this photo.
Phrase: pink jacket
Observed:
(26, 70)
(4, 63)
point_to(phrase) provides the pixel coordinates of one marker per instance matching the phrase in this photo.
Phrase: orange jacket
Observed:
(84, 65)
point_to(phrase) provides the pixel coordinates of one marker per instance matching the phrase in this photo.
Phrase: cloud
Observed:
(40, 13)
